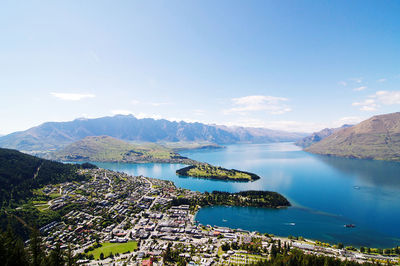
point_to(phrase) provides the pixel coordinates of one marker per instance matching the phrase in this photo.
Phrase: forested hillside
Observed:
(21, 173)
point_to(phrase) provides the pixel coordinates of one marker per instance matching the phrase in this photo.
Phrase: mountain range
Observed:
(52, 136)
(376, 138)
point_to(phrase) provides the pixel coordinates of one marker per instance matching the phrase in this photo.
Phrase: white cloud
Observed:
(72, 96)
(199, 112)
(121, 112)
(348, 120)
(373, 102)
(357, 80)
(360, 88)
(159, 103)
(342, 83)
(144, 115)
(366, 105)
(155, 104)
(286, 125)
(295, 126)
(382, 80)
(254, 103)
(137, 115)
(388, 97)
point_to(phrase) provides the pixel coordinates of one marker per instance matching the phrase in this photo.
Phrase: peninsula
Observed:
(249, 198)
(215, 172)
(109, 149)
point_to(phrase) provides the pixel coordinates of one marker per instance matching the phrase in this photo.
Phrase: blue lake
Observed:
(325, 192)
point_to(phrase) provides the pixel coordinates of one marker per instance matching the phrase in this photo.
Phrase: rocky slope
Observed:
(377, 138)
(318, 136)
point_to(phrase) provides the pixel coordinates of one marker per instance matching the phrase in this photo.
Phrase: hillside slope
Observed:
(20, 173)
(377, 138)
(55, 135)
(109, 149)
(318, 136)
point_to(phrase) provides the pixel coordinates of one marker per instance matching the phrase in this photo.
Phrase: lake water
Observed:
(325, 192)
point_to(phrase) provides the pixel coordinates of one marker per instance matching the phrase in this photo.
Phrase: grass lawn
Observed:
(114, 248)
(54, 195)
(243, 258)
(220, 251)
(42, 207)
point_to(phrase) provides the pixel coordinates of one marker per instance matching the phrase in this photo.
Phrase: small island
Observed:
(215, 172)
(250, 198)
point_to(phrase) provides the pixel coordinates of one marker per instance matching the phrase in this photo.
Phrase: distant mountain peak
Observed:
(376, 138)
(318, 136)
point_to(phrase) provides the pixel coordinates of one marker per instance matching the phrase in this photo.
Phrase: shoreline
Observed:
(294, 205)
(308, 239)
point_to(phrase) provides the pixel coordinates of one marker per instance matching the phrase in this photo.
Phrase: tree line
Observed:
(13, 252)
(245, 198)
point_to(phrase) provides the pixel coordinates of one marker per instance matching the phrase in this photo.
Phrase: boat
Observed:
(292, 224)
(349, 225)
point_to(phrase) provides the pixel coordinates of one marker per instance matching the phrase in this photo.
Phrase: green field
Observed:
(107, 248)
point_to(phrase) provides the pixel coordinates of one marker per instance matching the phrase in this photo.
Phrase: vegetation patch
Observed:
(109, 149)
(108, 249)
(216, 172)
(251, 198)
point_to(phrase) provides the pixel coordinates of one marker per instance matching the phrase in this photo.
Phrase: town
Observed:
(133, 220)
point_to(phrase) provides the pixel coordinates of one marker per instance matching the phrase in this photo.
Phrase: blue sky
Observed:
(291, 65)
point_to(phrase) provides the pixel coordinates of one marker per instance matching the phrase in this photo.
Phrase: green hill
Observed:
(377, 138)
(216, 172)
(109, 149)
(21, 173)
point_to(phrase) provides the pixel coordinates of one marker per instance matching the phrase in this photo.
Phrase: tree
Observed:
(274, 250)
(340, 245)
(56, 256)
(70, 257)
(225, 247)
(101, 256)
(362, 249)
(13, 248)
(36, 248)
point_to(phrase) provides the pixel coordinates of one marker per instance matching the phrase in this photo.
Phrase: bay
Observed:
(325, 192)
